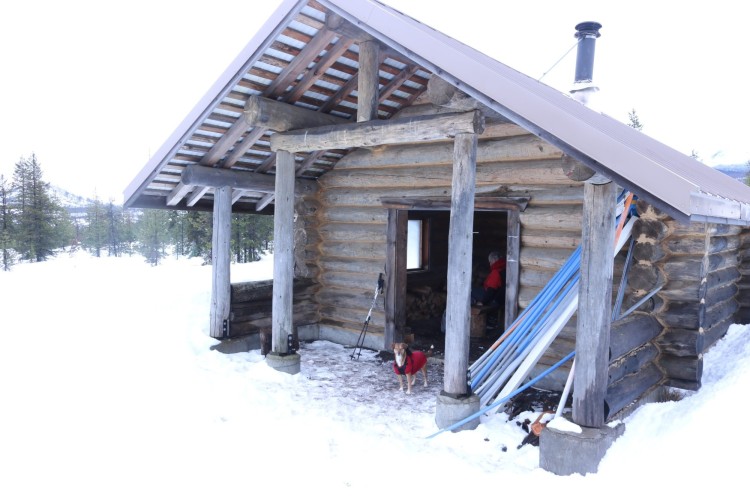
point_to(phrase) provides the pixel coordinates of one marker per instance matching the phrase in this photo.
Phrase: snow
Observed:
(110, 389)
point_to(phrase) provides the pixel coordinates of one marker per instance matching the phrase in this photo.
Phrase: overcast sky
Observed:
(94, 88)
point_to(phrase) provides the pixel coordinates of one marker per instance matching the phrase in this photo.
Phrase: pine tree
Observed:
(39, 217)
(95, 233)
(635, 122)
(7, 253)
(153, 235)
(199, 235)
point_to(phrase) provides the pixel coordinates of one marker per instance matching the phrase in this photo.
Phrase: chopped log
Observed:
(685, 315)
(654, 230)
(689, 293)
(681, 342)
(687, 267)
(565, 218)
(545, 238)
(648, 251)
(644, 277)
(196, 175)
(688, 385)
(379, 132)
(575, 170)
(688, 368)
(632, 363)
(629, 389)
(687, 245)
(281, 117)
(631, 332)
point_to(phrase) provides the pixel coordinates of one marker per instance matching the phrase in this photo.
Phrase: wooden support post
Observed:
(221, 289)
(283, 253)
(594, 305)
(395, 277)
(512, 271)
(460, 242)
(368, 81)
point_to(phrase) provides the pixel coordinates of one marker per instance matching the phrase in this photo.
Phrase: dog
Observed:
(409, 363)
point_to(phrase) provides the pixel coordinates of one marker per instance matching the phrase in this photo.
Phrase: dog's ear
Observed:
(393, 346)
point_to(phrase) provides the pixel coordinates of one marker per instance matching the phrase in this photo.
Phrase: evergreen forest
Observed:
(34, 225)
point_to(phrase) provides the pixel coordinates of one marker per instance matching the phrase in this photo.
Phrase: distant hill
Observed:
(76, 205)
(738, 172)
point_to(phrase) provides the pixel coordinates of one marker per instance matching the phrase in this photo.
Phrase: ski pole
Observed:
(363, 333)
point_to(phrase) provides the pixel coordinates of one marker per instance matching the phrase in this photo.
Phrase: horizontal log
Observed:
(379, 132)
(258, 290)
(565, 218)
(686, 267)
(714, 279)
(632, 363)
(352, 232)
(263, 309)
(354, 318)
(701, 229)
(681, 384)
(353, 197)
(351, 265)
(367, 250)
(510, 149)
(550, 258)
(688, 368)
(363, 215)
(692, 293)
(631, 333)
(697, 246)
(196, 175)
(548, 238)
(629, 389)
(648, 251)
(528, 172)
(445, 203)
(281, 116)
(686, 315)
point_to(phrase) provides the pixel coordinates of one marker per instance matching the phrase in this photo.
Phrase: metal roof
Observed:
(296, 57)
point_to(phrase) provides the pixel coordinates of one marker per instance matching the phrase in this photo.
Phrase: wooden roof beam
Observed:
(196, 175)
(178, 193)
(380, 132)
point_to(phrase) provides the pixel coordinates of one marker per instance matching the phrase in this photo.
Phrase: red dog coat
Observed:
(414, 362)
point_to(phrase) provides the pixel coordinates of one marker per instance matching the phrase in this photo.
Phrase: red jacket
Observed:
(495, 279)
(414, 362)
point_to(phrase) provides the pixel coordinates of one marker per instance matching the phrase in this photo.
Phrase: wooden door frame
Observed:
(395, 261)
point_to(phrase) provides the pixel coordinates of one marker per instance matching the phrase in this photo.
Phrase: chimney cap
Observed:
(588, 28)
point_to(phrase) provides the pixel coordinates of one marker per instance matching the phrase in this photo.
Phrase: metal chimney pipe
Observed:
(587, 33)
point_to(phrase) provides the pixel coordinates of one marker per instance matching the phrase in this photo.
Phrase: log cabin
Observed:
(382, 146)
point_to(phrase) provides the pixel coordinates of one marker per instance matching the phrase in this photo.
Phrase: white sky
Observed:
(113, 393)
(94, 88)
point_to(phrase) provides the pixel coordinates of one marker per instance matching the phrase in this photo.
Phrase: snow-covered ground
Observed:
(109, 390)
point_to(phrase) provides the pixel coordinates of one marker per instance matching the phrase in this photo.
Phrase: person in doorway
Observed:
(492, 291)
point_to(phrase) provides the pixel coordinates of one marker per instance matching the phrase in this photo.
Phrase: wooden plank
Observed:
(220, 258)
(178, 193)
(283, 255)
(594, 305)
(369, 82)
(280, 116)
(379, 132)
(459, 266)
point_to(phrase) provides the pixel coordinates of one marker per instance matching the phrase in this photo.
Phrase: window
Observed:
(416, 249)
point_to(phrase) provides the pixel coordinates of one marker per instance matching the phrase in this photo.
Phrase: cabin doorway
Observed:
(420, 264)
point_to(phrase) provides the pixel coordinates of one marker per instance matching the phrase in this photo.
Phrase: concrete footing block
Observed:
(566, 452)
(287, 363)
(451, 410)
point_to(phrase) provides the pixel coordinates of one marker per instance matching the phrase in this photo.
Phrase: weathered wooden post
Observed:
(221, 288)
(580, 452)
(368, 81)
(283, 267)
(456, 401)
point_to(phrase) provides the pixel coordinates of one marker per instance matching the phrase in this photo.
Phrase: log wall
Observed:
(697, 265)
(352, 220)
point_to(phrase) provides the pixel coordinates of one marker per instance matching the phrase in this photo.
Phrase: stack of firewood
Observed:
(424, 303)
